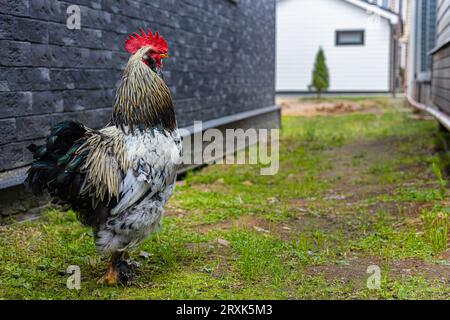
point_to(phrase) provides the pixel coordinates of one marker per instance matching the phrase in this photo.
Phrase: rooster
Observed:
(119, 178)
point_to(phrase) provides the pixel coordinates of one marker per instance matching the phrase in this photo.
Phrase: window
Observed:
(350, 38)
(382, 3)
(426, 37)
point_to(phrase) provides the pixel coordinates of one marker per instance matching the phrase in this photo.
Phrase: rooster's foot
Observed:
(126, 269)
(111, 278)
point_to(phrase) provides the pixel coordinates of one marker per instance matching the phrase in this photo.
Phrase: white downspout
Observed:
(443, 118)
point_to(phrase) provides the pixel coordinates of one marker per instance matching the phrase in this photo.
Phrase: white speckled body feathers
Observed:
(153, 156)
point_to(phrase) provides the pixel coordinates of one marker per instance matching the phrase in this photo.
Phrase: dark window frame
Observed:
(359, 44)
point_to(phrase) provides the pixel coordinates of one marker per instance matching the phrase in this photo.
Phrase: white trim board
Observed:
(214, 123)
(369, 7)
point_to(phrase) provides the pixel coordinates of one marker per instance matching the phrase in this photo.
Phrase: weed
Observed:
(436, 228)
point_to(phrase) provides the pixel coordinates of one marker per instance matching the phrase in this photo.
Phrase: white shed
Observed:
(357, 38)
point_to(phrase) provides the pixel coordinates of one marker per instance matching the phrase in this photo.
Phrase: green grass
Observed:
(436, 225)
(353, 190)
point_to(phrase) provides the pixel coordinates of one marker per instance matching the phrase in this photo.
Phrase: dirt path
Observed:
(312, 108)
(366, 170)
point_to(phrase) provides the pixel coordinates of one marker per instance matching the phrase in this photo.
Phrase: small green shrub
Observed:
(321, 77)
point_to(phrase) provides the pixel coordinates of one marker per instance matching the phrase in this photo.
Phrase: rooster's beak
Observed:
(164, 56)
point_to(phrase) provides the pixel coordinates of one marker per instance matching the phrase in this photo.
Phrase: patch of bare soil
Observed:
(212, 187)
(400, 209)
(173, 212)
(353, 185)
(312, 109)
(289, 229)
(355, 269)
(243, 222)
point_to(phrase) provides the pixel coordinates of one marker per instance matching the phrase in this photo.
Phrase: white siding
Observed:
(305, 25)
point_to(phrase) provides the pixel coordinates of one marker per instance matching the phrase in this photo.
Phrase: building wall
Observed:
(443, 22)
(441, 58)
(305, 25)
(222, 62)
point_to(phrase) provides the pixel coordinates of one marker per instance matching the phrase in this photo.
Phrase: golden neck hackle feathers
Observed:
(105, 165)
(143, 100)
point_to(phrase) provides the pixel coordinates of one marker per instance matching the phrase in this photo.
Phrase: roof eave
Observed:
(391, 16)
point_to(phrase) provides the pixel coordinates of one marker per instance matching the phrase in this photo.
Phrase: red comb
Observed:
(137, 41)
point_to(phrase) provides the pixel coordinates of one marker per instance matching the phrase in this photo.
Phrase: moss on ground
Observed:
(353, 190)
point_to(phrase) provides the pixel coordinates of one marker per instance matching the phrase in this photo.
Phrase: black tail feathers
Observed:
(50, 158)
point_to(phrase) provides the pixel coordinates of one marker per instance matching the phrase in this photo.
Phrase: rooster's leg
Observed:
(126, 268)
(111, 278)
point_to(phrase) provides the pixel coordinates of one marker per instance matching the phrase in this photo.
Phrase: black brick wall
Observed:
(222, 57)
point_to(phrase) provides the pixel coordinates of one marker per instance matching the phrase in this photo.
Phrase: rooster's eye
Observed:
(150, 62)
